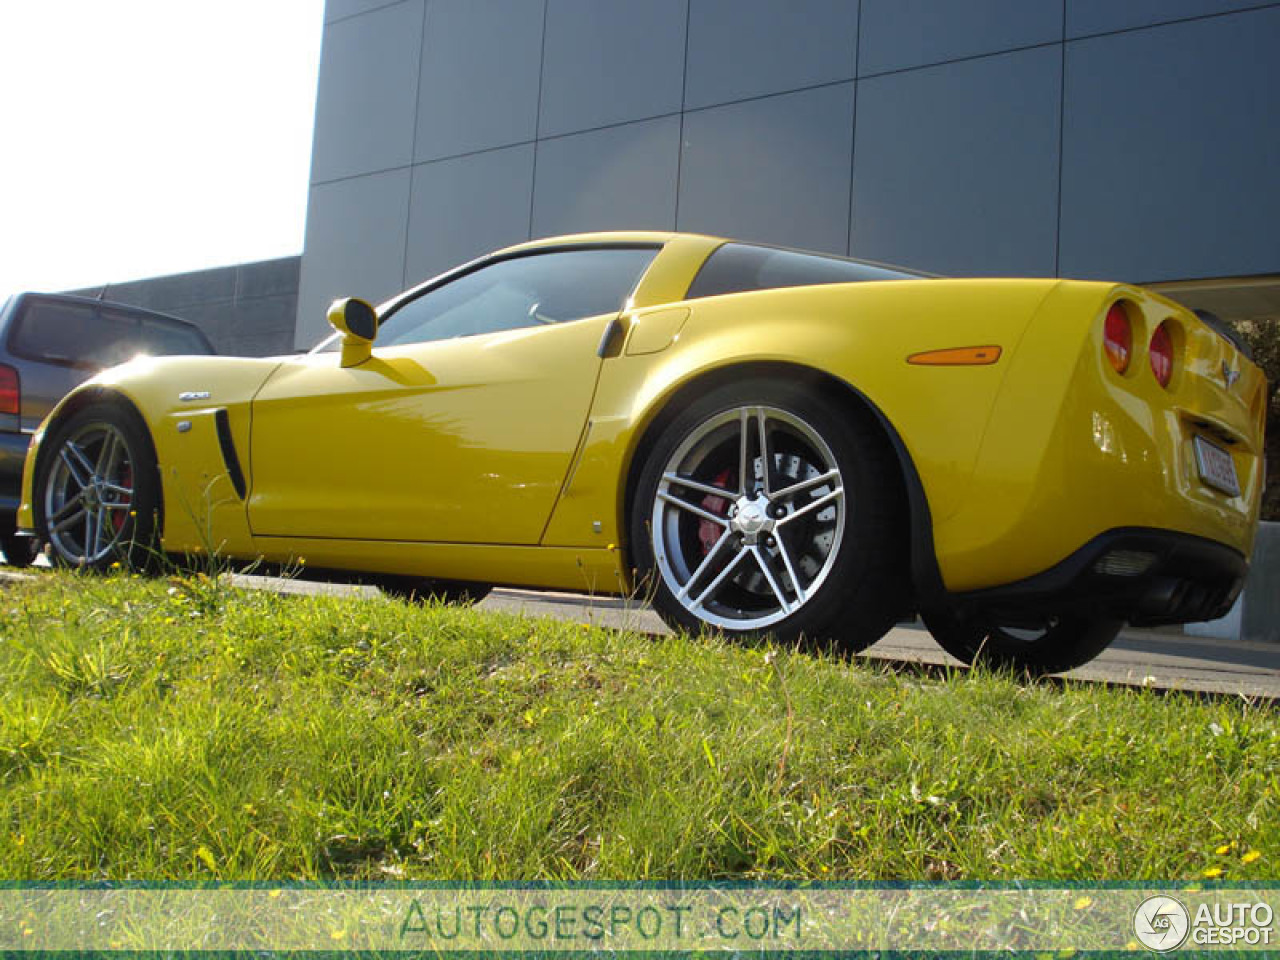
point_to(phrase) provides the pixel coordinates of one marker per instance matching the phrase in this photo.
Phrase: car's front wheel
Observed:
(97, 492)
(1060, 644)
(764, 508)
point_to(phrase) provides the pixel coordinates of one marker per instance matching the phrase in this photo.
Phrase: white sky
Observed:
(146, 137)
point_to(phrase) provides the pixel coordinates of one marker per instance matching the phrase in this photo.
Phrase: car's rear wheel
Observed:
(1060, 644)
(97, 492)
(764, 508)
(19, 551)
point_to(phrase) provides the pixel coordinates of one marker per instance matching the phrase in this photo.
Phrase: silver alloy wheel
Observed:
(89, 493)
(738, 545)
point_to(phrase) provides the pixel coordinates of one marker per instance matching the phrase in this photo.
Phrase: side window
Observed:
(739, 267)
(523, 291)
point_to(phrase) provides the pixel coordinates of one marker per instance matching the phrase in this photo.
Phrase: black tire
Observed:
(119, 529)
(1064, 644)
(833, 580)
(423, 590)
(19, 551)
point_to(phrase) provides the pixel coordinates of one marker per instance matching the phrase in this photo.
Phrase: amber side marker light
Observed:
(956, 357)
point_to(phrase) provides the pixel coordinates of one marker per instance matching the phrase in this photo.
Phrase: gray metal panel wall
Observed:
(1171, 150)
(970, 185)
(1132, 140)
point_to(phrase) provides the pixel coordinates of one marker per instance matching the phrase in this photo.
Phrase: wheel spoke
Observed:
(693, 508)
(729, 567)
(677, 480)
(116, 506)
(88, 535)
(117, 489)
(107, 454)
(801, 595)
(74, 505)
(744, 424)
(804, 485)
(74, 450)
(764, 448)
(106, 529)
(74, 469)
(70, 520)
(768, 575)
(703, 566)
(811, 506)
(98, 517)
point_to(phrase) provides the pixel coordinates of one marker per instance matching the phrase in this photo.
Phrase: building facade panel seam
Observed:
(1169, 23)
(364, 13)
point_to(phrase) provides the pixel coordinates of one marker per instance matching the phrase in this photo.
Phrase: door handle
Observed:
(611, 340)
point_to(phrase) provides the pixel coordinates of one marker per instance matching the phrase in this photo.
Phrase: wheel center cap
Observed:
(751, 518)
(91, 497)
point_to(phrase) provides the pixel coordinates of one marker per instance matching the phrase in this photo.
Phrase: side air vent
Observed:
(223, 424)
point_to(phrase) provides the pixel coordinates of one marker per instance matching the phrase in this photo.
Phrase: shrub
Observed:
(1263, 337)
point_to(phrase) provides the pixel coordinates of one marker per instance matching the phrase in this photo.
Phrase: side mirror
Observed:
(358, 324)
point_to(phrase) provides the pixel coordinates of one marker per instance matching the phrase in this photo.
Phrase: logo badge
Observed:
(1229, 376)
(188, 395)
(1161, 924)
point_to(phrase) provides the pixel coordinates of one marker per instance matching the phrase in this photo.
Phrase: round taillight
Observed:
(1117, 337)
(1162, 355)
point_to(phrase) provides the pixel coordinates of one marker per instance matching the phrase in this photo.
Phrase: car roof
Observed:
(94, 301)
(608, 237)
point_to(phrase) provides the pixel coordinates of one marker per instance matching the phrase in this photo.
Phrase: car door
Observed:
(461, 426)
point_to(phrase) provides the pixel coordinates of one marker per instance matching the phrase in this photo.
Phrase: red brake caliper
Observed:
(708, 532)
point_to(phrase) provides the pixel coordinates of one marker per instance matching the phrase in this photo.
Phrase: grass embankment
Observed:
(185, 730)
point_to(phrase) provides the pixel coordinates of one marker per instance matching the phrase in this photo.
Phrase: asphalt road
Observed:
(1162, 659)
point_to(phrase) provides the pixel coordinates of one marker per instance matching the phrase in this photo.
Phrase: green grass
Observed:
(180, 729)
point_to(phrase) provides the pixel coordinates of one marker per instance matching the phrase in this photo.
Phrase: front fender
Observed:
(178, 399)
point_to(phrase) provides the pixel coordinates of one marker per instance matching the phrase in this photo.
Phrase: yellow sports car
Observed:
(759, 440)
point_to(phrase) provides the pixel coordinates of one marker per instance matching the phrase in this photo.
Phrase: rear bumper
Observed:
(13, 453)
(1141, 575)
(1074, 452)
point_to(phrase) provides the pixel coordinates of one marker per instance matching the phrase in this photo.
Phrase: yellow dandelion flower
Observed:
(302, 561)
(1225, 848)
(275, 894)
(1084, 903)
(1213, 872)
(1251, 856)
(338, 934)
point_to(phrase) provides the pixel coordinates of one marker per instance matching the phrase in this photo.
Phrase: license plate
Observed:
(1217, 469)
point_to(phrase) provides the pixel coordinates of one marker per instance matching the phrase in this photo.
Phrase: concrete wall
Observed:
(1133, 140)
(248, 309)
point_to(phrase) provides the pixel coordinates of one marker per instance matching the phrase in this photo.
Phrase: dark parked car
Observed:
(49, 343)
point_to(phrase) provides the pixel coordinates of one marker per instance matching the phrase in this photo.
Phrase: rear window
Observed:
(94, 337)
(739, 267)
